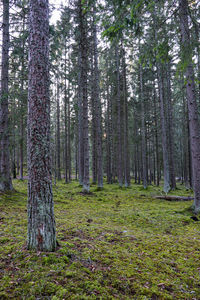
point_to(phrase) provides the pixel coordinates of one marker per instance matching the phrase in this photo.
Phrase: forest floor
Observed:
(114, 244)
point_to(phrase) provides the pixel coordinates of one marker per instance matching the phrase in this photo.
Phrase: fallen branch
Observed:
(175, 198)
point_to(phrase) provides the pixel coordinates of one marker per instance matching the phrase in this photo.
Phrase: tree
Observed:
(5, 178)
(83, 98)
(41, 223)
(191, 100)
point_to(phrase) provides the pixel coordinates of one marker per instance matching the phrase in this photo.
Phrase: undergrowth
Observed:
(114, 244)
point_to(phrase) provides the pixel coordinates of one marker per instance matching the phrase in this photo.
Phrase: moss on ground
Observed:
(114, 244)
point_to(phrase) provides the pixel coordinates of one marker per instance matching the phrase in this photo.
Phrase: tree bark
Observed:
(126, 140)
(58, 133)
(166, 187)
(97, 109)
(144, 149)
(41, 222)
(191, 100)
(5, 177)
(84, 93)
(170, 129)
(119, 133)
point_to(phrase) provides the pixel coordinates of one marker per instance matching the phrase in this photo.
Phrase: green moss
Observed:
(115, 243)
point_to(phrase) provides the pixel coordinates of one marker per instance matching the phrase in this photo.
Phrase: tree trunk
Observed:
(126, 140)
(94, 125)
(58, 133)
(119, 133)
(80, 124)
(65, 118)
(84, 94)
(170, 128)
(166, 187)
(97, 109)
(191, 100)
(41, 223)
(5, 177)
(143, 130)
(108, 135)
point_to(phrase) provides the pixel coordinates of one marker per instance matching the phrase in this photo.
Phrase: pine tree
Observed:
(41, 223)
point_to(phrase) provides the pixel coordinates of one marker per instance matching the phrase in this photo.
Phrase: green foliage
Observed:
(114, 243)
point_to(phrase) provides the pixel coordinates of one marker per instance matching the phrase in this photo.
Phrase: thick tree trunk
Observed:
(41, 223)
(191, 99)
(5, 177)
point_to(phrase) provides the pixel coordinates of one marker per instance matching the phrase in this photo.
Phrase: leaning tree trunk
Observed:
(191, 100)
(5, 177)
(41, 223)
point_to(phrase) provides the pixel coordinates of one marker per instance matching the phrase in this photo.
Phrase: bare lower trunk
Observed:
(41, 223)
(5, 178)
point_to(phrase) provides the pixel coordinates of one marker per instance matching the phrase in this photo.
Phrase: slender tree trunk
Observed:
(22, 108)
(58, 133)
(80, 125)
(108, 135)
(69, 132)
(5, 177)
(94, 127)
(126, 140)
(65, 119)
(166, 187)
(191, 99)
(170, 129)
(84, 98)
(97, 109)
(144, 149)
(156, 140)
(41, 222)
(119, 133)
